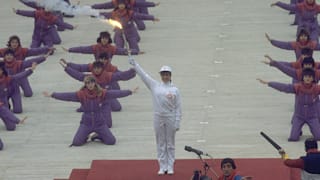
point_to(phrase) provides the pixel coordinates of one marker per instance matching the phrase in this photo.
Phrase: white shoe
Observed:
(170, 172)
(161, 172)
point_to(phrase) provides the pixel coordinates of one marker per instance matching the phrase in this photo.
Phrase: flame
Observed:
(114, 23)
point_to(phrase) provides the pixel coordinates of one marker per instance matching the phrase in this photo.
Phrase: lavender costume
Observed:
(10, 89)
(305, 109)
(8, 118)
(140, 6)
(92, 118)
(22, 53)
(296, 46)
(54, 33)
(129, 30)
(88, 68)
(104, 81)
(307, 17)
(99, 48)
(20, 66)
(42, 27)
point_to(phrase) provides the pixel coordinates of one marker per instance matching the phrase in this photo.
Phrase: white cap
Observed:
(165, 68)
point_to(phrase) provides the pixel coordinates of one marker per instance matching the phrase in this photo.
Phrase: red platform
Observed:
(260, 169)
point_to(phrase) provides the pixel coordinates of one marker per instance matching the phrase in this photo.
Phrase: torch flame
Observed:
(114, 23)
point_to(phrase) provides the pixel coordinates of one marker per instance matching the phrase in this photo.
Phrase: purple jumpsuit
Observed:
(17, 66)
(8, 118)
(307, 17)
(53, 30)
(306, 109)
(44, 22)
(99, 48)
(10, 89)
(139, 6)
(126, 17)
(105, 79)
(89, 67)
(92, 117)
(21, 53)
(296, 46)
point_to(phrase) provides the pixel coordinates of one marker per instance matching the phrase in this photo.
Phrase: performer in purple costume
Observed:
(306, 109)
(126, 16)
(44, 22)
(104, 78)
(92, 97)
(140, 6)
(14, 66)
(303, 41)
(104, 45)
(9, 119)
(20, 52)
(9, 88)
(307, 12)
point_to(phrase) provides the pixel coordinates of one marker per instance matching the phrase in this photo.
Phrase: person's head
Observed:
(14, 42)
(228, 166)
(310, 143)
(104, 57)
(97, 67)
(308, 75)
(104, 38)
(3, 71)
(90, 82)
(303, 36)
(310, 2)
(122, 4)
(165, 73)
(8, 55)
(308, 62)
(306, 52)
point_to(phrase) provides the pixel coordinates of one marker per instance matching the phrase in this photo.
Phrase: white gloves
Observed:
(131, 61)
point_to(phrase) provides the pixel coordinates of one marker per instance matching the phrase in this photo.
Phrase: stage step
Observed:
(79, 174)
(261, 169)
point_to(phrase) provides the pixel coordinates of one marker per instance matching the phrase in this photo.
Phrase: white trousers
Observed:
(307, 176)
(165, 138)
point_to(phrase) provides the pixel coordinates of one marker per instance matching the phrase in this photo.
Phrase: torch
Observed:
(119, 25)
(272, 142)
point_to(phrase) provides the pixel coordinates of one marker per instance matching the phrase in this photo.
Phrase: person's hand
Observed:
(267, 61)
(262, 81)
(63, 63)
(131, 61)
(268, 38)
(65, 49)
(46, 94)
(141, 52)
(23, 119)
(33, 66)
(135, 90)
(157, 4)
(156, 20)
(246, 178)
(51, 50)
(14, 10)
(273, 4)
(75, 27)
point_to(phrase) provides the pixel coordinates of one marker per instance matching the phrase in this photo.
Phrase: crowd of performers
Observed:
(98, 96)
(305, 74)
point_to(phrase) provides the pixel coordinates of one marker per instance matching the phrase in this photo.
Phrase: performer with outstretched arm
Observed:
(306, 108)
(92, 97)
